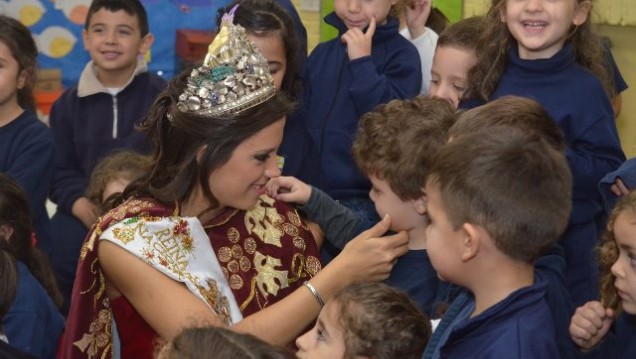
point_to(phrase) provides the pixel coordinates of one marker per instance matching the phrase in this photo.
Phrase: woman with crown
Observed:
(195, 241)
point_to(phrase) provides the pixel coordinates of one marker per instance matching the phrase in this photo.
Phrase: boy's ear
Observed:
(471, 242)
(22, 79)
(146, 43)
(85, 39)
(581, 13)
(420, 205)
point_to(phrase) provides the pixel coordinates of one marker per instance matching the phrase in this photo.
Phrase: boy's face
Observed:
(449, 73)
(403, 215)
(624, 269)
(325, 339)
(114, 41)
(11, 78)
(443, 242)
(358, 13)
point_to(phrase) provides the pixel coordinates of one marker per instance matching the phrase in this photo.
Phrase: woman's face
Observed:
(241, 180)
(271, 45)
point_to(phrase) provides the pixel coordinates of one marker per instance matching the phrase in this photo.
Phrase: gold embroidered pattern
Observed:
(233, 235)
(313, 266)
(268, 275)
(294, 218)
(300, 243)
(250, 245)
(98, 336)
(263, 221)
(290, 229)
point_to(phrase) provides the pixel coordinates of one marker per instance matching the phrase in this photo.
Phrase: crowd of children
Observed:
(487, 149)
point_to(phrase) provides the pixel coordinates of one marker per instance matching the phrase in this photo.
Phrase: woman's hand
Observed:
(590, 323)
(370, 256)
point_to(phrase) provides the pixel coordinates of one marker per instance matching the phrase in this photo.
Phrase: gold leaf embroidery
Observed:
(263, 221)
(268, 275)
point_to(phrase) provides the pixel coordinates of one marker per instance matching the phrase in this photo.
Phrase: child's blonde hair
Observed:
(608, 252)
(381, 322)
(496, 41)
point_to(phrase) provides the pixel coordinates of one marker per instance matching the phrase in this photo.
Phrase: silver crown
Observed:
(233, 77)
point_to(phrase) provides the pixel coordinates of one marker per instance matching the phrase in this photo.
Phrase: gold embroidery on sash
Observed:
(98, 336)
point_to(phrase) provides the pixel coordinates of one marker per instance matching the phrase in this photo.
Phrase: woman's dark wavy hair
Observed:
(174, 170)
(496, 42)
(263, 18)
(18, 39)
(8, 279)
(14, 212)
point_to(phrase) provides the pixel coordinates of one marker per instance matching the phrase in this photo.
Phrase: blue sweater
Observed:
(577, 102)
(340, 91)
(519, 326)
(26, 154)
(33, 324)
(506, 329)
(88, 128)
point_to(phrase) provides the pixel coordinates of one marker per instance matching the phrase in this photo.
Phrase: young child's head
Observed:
(503, 186)
(522, 113)
(394, 146)
(358, 13)
(16, 229)
(18, 56)
(454, 56)
(618, 257)
(271, 29)
(115, 34)
(217, 342)
(367, 320)
(538, 30)
(113, 173)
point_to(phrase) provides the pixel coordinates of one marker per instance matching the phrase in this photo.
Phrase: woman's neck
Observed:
(196, 205)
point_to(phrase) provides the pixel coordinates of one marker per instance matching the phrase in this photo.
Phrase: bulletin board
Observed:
(57, 26)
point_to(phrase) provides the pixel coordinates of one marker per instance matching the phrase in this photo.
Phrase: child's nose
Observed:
(534, 5)
(354, 5)
(617, 270)
(111, 37)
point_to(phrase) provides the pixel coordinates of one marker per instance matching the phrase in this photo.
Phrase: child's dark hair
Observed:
(217, 342)
(121, 164)
(8, 279)
(380, 322)
(608, 252)
(514, 111)
(513, 184)
(14, 212)
(462, 34)
(496, 41)
(18, 39)
(131, 7)
(436, 20)
(397, 140)
(263, 18)
(179, 136)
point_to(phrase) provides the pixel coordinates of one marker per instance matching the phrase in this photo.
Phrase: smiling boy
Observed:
(97, 116)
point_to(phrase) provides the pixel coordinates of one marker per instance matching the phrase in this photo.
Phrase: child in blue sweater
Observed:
(33, 323)
(394, 146)
(368, 64)
(486, 230)
(26, 144)
(96, 117)
(607, 329)
(546, 50)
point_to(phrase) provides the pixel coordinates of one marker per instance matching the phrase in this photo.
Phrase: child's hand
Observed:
(590, 323)
(358, 42)
(288, 189)
(416, 16)
(619, 188)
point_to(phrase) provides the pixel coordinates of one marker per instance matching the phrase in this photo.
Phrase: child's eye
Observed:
(459, 87)
(632, 260)
(124, 32)
(319, 334)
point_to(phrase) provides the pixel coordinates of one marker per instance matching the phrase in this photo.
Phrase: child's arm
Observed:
(338, 222)
(394, 71)
(416, 16)
(590, 324)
